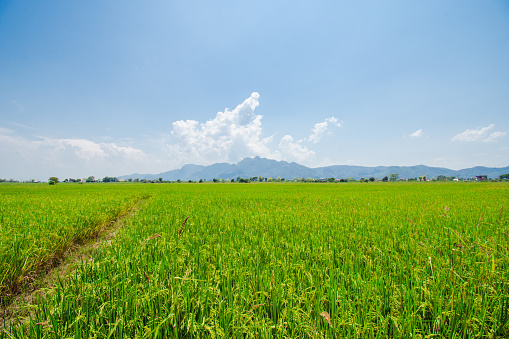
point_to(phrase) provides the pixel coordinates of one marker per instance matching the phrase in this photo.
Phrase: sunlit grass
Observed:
(275, 260)
(39, 222)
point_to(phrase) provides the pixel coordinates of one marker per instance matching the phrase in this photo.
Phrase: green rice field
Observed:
(261, 260)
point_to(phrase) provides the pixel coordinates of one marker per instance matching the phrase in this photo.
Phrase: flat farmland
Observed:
(38, 223)
(287, 260)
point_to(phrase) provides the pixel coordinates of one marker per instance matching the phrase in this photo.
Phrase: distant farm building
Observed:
(481, 177)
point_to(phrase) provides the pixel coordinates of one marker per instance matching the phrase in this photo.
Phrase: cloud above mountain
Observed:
(293, 150)
(41, 157)
(230, 136)
(235, 134)
(483, 134)
(321, 128)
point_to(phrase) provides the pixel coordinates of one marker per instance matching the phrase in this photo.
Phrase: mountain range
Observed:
(267, 168)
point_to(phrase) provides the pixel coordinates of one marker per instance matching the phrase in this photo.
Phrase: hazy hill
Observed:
(267, 168)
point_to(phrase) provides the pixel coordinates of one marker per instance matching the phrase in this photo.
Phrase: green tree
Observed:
(372, 179)
(504, 176)
(53, 180)
(385, 179)
(394, 177)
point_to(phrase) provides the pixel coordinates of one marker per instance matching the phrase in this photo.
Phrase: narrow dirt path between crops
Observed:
(42, 283)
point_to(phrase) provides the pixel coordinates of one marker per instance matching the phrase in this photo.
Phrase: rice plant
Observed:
(38, 223)
(288, 260)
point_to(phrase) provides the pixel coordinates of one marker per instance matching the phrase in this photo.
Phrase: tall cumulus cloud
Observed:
(235, 134)
(231, 136)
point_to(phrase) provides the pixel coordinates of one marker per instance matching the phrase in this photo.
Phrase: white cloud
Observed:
(493, 137)
(5, 131)
(24, 158)
(231, 136)
(321, 128)
(318, 131)
(21, 125)
(85, 149)
(417, 134)
(473, 134)
(480, 134)
(333, 121)
(291, 150)
(234, 135)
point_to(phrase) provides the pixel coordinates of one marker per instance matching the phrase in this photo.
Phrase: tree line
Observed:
(392, 177)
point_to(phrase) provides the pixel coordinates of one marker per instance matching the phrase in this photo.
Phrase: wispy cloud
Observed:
(5, 131)
(417, 134)
(493, 137)
(484, 134)
(42, 157)
(321, 128)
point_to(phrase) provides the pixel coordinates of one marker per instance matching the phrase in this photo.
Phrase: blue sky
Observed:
(108, 88)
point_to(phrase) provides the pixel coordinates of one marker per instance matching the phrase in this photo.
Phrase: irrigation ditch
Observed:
(18, 301)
